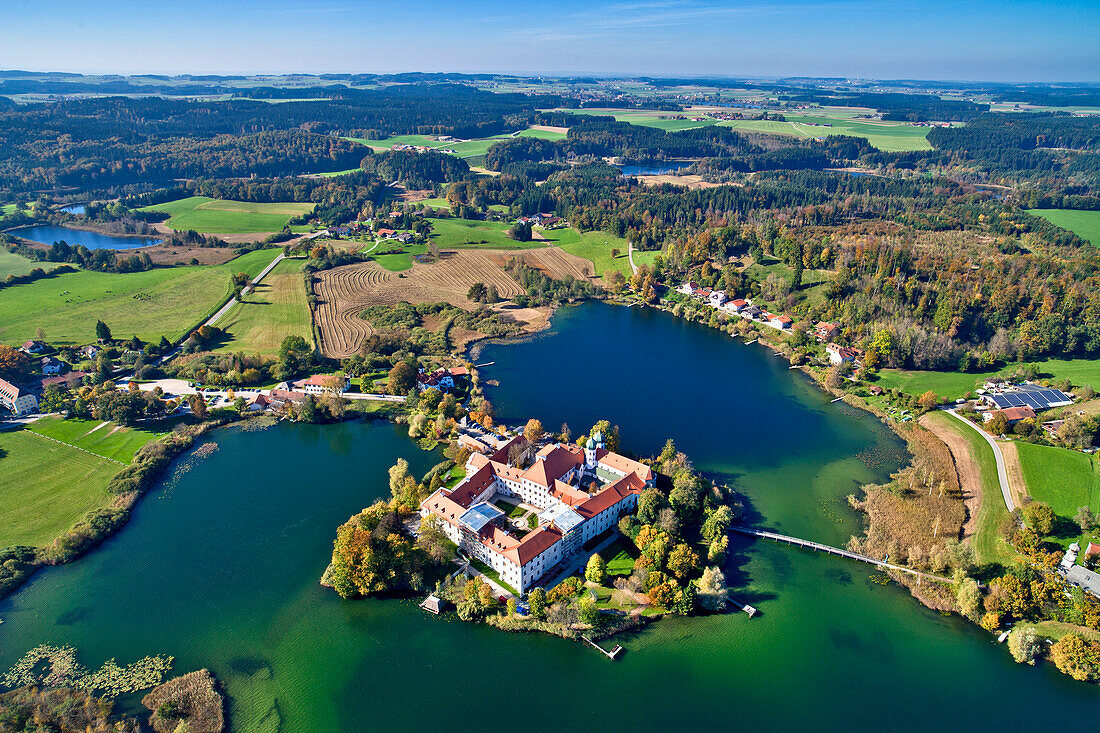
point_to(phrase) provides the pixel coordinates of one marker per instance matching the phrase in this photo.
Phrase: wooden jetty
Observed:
(743, 606)
(750, 342)
(838, 399)
(609, 654)
(488, 363)
(818, 547)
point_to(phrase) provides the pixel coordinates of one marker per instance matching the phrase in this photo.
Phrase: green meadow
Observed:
(165, 301)
(13, 264)
(596, 248)
(1064, 479)
(953, 385)
(887, 136)
(275, 309)
(1085, 224)
(110, 440)
(469, 233)
(218, 216)
(46, 486)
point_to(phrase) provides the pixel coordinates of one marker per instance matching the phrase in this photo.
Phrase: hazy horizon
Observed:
(1016, 41)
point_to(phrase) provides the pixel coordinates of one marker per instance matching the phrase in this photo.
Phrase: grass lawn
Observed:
(218, 216)
(400, 261)
(948, 385)
(1057, 629)
(1085, 224)
(952, 385)
(333, 174)
(436, 203)
(492, 574)
(13, 264)
(165, 301)
(1062, 478)
(110, 441)
(470, 233)
(987, 544)
(620, 556)
(543, 134)
(596, 247)
(6, 209)
(277, 308)
(45, 487)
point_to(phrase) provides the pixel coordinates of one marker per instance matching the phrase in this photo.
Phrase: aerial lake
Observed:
(48, 234)
(219, 566)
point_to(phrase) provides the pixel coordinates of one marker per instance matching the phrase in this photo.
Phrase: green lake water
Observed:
(219, 568)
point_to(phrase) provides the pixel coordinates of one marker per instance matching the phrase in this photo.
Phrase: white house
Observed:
(51, 365)
(779, 321)
(321, 383)
(33, 347)
(717, 298)
(17, 401)
(841, 354)
(688, 288)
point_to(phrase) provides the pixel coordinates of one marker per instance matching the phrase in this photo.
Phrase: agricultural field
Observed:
(435, 203)
(1085, 224)
(952, 385)
(887, 136)
(389, 142)
(275, 309)
(217, 216)
(1062, 478)
(468, 233)
(105, 439)
(648, 118)
(163, 301)
(596, 248)
(13, 264)
(6, 209)
(465, 149)
(344, 292)
(46, 486)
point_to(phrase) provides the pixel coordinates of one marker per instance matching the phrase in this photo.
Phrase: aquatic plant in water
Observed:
(63, 670)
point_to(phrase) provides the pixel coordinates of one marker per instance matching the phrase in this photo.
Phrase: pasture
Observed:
(163, 301)
(596, 248)
(46, 486)
(275, 309)
(952, 385)
(1060, 477)
(218, 216)
(108, 440)
(1085, 224)
(468, 233)
(13, 264)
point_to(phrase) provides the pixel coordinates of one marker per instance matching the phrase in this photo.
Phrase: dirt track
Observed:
(969, 475)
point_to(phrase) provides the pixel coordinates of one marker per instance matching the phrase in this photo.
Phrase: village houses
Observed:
(17, 401)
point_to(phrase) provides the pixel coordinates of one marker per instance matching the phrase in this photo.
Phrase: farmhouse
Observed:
(737, 305)
(688, 288)
(90, 351)
(442, 379)
(33, 347)
(386, 233)
(841, 354)
(1012, 414)
(717, 298)
(778, 321)
(16, 400)
(825, 332)
(1028, 395)
(580, 493)
(51, 365)
(320, 383)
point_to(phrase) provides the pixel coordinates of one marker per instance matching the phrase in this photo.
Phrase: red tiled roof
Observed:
(551, 463)
(536, 543)
(9, 390)
(478, 481)
(611, 495)
(1017, 413)
(624, 464)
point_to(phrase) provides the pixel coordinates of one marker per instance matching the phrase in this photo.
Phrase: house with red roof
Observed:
(579, 492)
(16, 400)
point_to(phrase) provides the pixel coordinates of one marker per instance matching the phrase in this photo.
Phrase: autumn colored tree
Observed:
(402, 378)
(596, 570)
(14, 364)
(1078, 658)
(682, 561)
(533, 431)
(1039, 517)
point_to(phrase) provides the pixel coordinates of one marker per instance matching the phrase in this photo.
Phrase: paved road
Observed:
(245, 290)
(630, 256)
(1002, 470)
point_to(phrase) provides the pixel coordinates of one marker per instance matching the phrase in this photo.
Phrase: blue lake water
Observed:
(74, 209)
(646, 170)
(48, 234)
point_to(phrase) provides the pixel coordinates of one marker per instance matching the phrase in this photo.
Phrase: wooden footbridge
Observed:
(818, 547)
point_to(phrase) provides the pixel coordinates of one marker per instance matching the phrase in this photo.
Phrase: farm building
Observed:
(320, 383)
(1033, 396)
(51, 365)
(841, 354)
(1012, 414)
(16, 400)
(826, 332)
(33, 347)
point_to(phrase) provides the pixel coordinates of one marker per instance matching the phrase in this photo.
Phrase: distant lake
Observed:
(48, 234)
(645, 170)
(74, 209)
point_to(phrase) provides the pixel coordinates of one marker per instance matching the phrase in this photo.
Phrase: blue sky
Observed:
(961, 39)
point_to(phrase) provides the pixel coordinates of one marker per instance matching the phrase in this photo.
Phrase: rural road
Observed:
(245, 290)
(630, 256)
(1002, 471)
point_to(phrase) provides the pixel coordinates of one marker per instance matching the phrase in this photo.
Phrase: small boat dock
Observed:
(743, 606)
(609, 654)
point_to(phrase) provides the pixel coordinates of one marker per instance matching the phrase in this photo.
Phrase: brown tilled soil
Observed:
(692, 182)
(1016, 483)
(344, 292)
